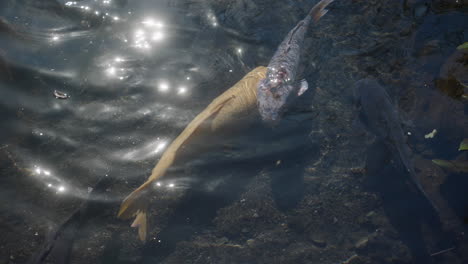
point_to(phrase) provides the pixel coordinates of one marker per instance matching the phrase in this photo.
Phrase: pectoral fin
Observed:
(303, 87)
(140, 223)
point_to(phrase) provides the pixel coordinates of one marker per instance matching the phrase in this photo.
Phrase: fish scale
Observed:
(280, 85)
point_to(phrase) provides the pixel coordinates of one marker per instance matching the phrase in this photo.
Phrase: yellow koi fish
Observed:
(233, 104)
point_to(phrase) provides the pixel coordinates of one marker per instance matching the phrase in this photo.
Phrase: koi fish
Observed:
(381, 118)
(280, 85)
(234, 103)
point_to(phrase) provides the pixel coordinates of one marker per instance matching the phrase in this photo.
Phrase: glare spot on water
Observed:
(110, 71)
(149, 22)
(139, 33)
(61, 189)
(157, 36)
(182, 90)
(145, 151)
(49, 185)
(140, 39)
(158, 184)
(38, 170)
(160, 147)
(145, 111)
(147, 32)
(188, 78)
(47, 173)
(171, 185)
(55, 38)
(239, 50)
(163, 87)
(116, 18)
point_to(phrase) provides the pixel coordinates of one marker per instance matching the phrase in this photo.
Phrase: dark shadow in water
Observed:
(58, 245)
(406, 208)
(198, 208)
(454, 191)
(287, 181)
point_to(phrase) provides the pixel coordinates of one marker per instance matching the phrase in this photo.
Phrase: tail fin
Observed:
(136, 205)
(319, 10)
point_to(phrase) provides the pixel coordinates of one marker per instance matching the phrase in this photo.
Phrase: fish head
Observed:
(272, 96)
(375, 109)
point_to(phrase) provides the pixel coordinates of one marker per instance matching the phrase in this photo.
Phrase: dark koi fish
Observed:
(379, 115)
(280, 84)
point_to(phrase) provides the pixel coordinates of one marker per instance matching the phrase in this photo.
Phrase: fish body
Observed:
(381, 118)
(227, 110)
(280, 84)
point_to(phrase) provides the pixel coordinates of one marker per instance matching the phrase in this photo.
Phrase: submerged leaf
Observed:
(442, 163)
(454, 165)
(431, 135)
(463, 145)
(463, 46)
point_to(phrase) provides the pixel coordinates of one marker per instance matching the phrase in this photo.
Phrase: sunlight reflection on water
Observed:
(133, 76)
(142, 152)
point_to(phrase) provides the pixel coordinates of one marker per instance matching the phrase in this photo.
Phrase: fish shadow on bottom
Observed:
(283, 167)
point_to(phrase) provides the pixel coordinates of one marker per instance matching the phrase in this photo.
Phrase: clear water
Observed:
(316, 188)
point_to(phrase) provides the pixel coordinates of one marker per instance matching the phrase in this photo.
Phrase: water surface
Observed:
(317, 188)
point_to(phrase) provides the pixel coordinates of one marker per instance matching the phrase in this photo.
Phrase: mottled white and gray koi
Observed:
(280, 84)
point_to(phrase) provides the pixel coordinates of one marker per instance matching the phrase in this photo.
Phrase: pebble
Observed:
(60, 95)
(319, 243)
(362, 243)
(352, 259)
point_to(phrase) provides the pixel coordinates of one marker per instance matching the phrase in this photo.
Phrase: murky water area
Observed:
(93, 92)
